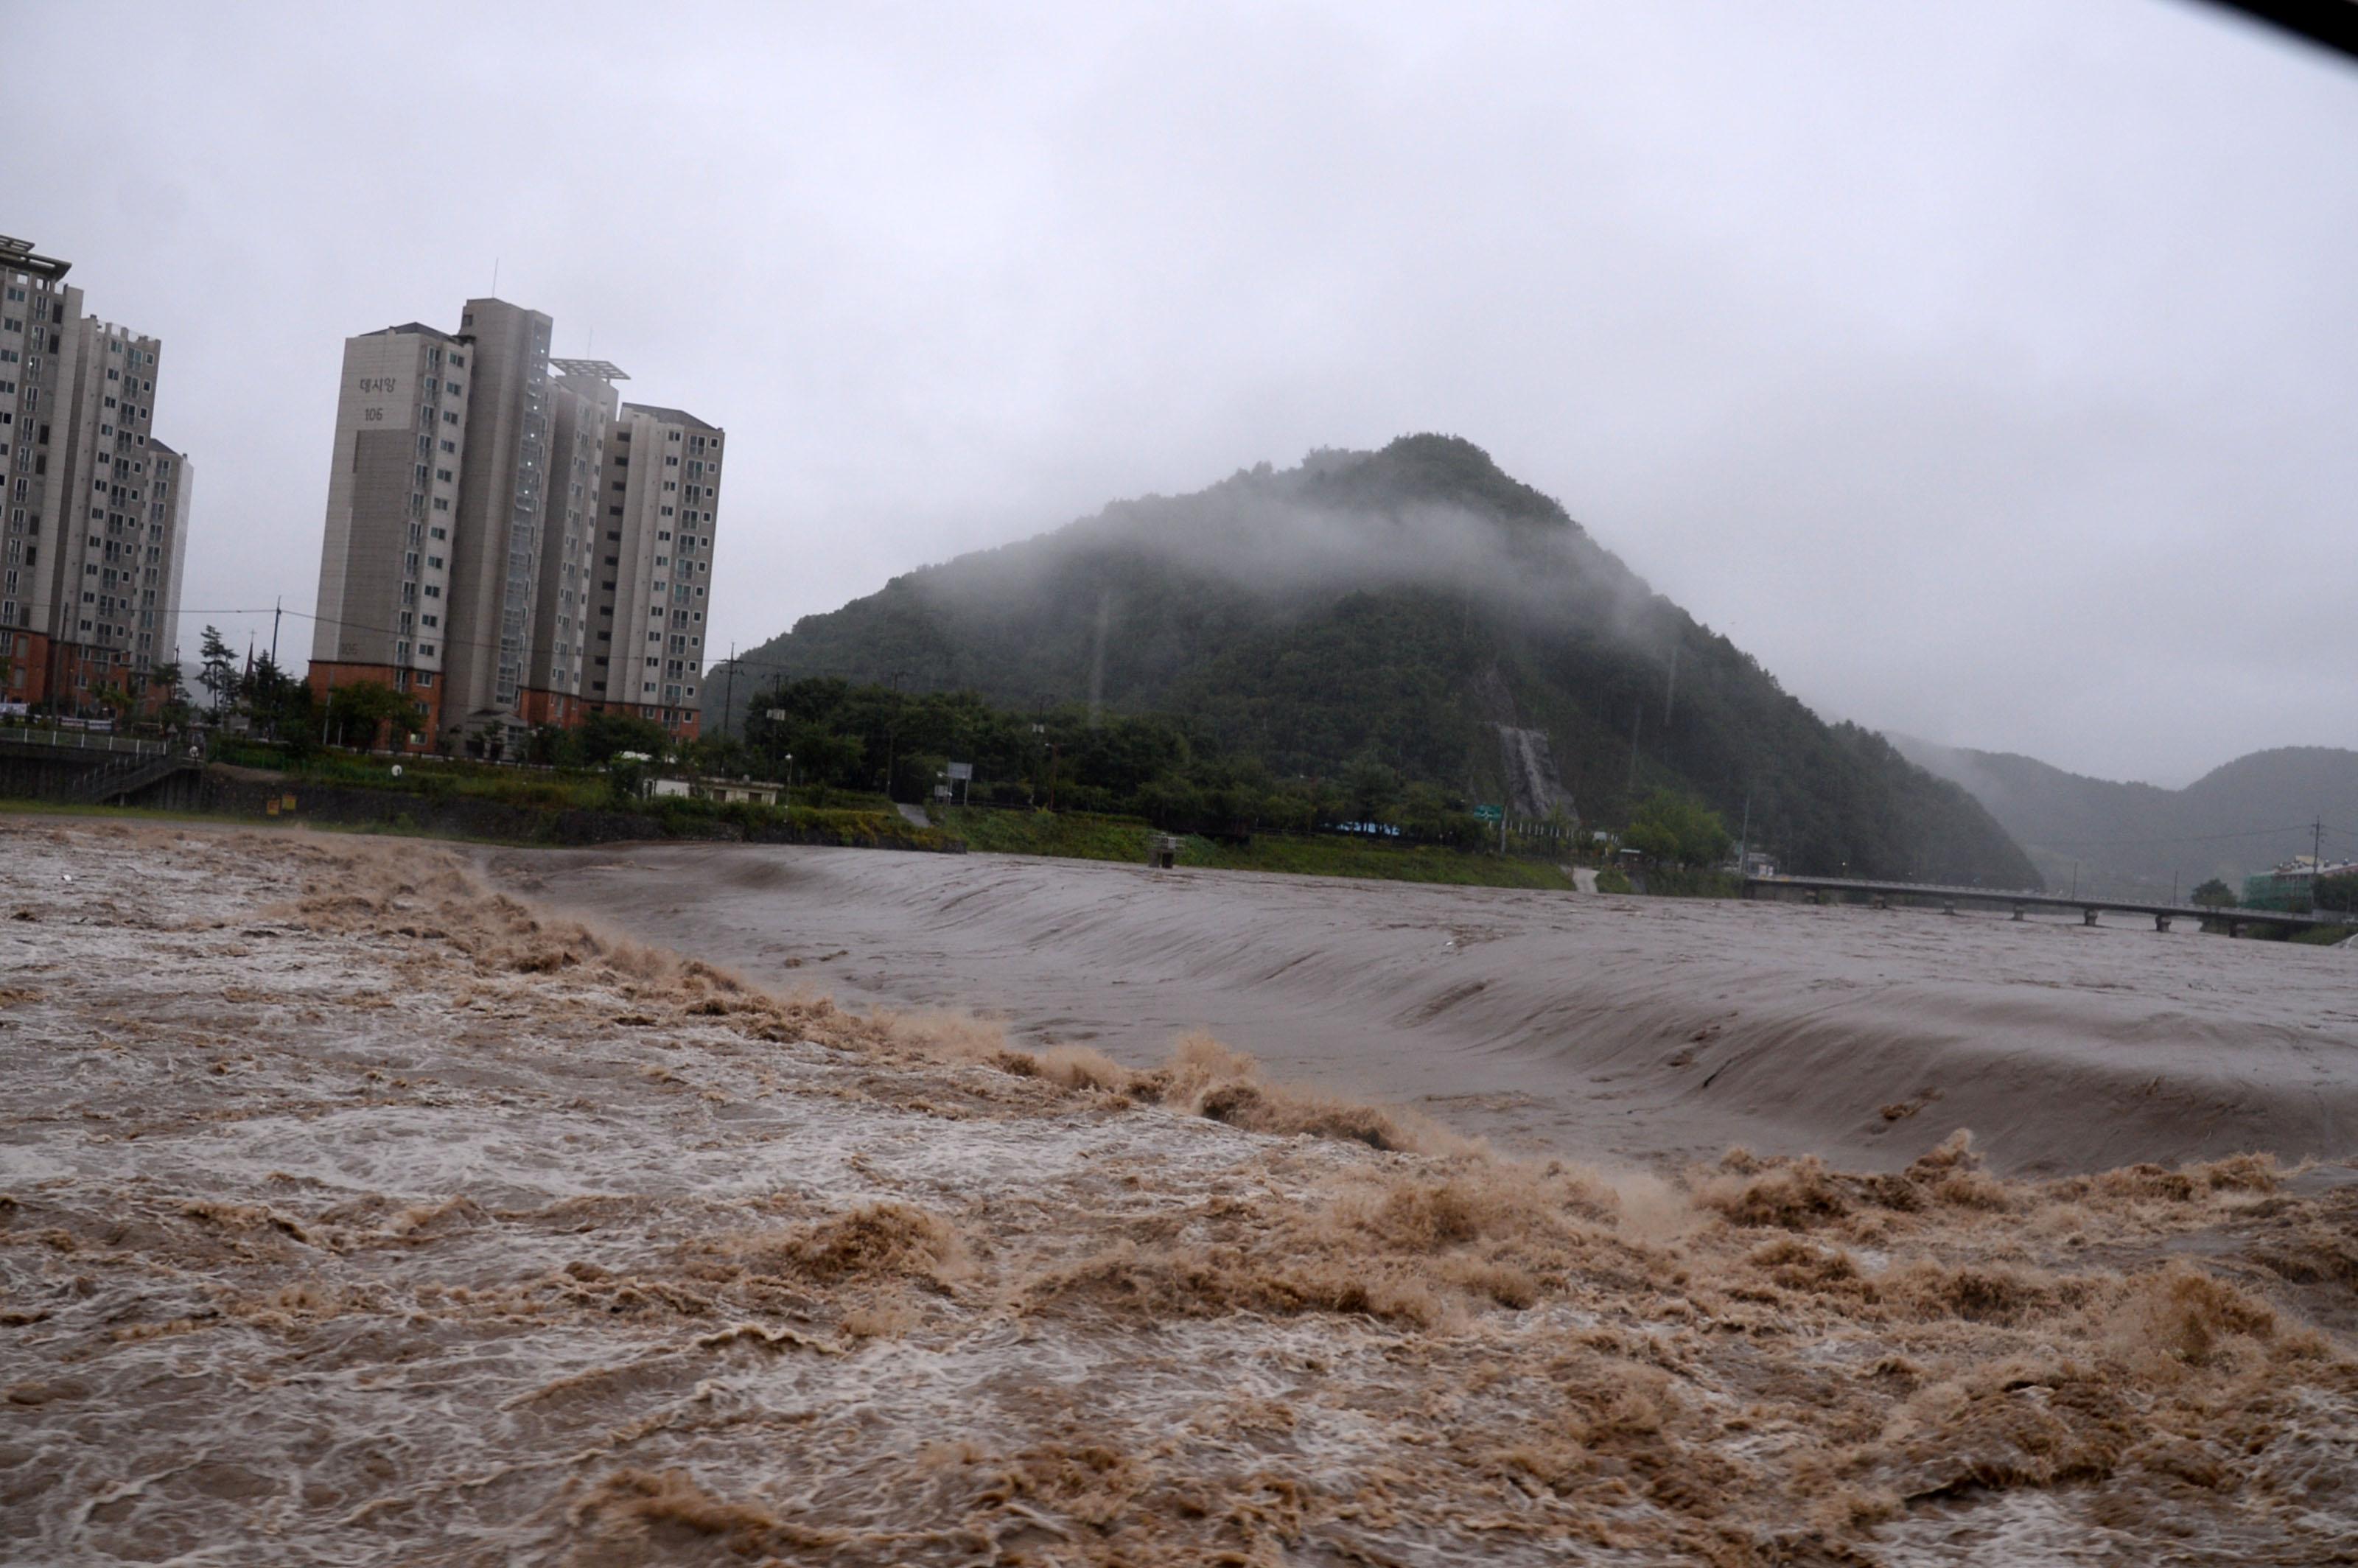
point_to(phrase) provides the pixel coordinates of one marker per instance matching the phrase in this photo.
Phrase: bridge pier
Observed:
(2087, 917)
(2161, 923)
(2018, 911)
(1948, 906)
(1881, 902)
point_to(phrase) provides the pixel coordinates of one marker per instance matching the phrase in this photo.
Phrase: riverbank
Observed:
(351, 1206)
(1123, 840)
(259, 797)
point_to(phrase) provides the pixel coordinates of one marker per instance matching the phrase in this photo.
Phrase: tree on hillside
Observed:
(2212, 895)
(1677, 829)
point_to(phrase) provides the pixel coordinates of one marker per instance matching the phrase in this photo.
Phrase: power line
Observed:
(492, 645)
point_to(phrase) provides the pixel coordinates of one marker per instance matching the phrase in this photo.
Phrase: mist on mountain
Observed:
(1411, 606)
(2128, 838)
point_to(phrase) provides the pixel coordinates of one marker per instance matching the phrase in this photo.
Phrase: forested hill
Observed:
(1397, 605)
(2126, 839)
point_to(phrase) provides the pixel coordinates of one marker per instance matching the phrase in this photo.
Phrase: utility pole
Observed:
(2316, 862)
(276, 606)
(729, 691)
(1670, 691)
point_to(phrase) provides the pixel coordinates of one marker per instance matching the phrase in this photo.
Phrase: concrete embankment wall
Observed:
(57, 773)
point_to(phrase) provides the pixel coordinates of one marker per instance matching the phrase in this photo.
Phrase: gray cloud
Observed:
(1982, 368)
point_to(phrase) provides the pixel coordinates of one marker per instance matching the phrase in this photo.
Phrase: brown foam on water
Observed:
(352, 1207)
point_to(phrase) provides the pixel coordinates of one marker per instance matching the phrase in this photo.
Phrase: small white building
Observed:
(752, 791)
(724, 792)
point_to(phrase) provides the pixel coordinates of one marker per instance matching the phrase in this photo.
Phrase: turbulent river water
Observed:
(1630, 1028)
(354, 1211)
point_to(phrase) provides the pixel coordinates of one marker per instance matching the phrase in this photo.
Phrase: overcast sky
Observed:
(1988, 369)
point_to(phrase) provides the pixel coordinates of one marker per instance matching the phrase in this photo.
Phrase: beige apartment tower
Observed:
(385, 606)
(485, 527)
(662, 496)
(96, 507)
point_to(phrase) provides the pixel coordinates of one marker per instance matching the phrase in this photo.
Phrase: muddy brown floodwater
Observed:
(1559, 1023)
(355, 1211)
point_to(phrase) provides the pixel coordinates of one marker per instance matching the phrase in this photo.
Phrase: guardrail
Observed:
(2025, 898)
(84, 740)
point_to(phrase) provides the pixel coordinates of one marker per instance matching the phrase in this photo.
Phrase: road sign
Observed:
(1491, 813)
(960, 772)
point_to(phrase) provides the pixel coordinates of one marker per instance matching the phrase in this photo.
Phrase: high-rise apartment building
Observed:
(662, 494)
(502, 485)
(384, 610)
(582, 404)
(97, 508)
(484, 528)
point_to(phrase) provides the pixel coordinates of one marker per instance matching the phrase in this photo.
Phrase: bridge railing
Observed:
(2059, 900)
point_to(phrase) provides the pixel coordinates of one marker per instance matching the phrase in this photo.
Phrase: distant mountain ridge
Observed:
(1407, 606)
(2241, 817)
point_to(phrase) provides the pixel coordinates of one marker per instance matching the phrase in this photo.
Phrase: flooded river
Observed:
(354, 1211)
(1627, 1028)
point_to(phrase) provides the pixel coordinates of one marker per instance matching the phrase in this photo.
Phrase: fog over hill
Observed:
(2241, 817)
(1406, 605)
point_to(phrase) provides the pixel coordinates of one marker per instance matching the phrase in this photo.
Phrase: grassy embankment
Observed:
(1084, 836)
(533, 804)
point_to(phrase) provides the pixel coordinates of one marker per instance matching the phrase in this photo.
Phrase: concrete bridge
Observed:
(2090, 906)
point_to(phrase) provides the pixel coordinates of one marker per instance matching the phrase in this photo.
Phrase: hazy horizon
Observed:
(1980, 370)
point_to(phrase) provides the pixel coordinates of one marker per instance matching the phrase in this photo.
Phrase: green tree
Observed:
(603, 734)
(356, 713)
(2339, 893)
(278, 703)
(2212, 895)
(626, 783)
(1678, 830)
(164, 682)
(218, 672)
(1369, 789)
